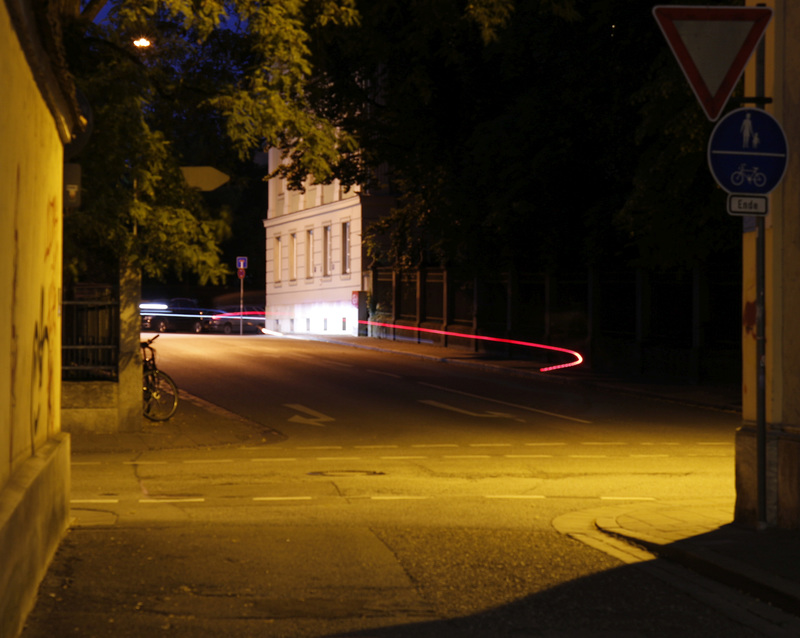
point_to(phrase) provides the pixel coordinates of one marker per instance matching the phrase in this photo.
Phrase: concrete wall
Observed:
(34, 454)
(106, 407)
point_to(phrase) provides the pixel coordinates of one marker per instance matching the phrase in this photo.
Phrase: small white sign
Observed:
(755, 205)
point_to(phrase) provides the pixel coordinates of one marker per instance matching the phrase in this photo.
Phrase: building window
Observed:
(293, 256)
(277, 255)
(309, 254)
(346, 247)
(327, 250)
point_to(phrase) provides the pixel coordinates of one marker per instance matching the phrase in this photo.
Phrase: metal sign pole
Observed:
(761, 368)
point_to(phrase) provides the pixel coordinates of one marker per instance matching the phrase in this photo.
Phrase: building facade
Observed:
(317, 275)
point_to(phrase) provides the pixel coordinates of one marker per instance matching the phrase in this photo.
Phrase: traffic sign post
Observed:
(748, 205)
(748, 152)
(712, 46)
(241, 267)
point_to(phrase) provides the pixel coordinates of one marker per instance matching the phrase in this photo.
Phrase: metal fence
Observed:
(90, 340)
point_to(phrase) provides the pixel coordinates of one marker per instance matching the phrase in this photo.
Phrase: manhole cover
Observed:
(346, 473)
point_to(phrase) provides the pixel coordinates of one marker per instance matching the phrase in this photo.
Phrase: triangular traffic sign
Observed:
(712, 46)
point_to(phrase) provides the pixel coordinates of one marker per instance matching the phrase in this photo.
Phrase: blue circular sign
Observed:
(748, 152)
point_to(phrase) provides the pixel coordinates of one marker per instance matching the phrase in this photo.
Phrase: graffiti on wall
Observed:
(42, 388)
(41, 374)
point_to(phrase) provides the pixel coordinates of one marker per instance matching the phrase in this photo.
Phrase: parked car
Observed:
(176, 315)
(227, 321)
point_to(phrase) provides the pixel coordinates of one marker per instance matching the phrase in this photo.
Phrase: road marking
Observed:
(490, 445)
(386, 374)
(201, 461)
(282, 498)
(452, 408)
(171, 500)
(529, 456)
(376, 447)
(436, 445)
(312, 416)
(398, 498)
(649, 456)
(338, 458)
(544, 444)
(467, 456)
(588, 456)
(603, 443)
(627, 498)
(89, 501)
(321, 447)
(267, 460)
(715, 443)
(401, 458)
(513, 405)
(145, 462)
(516, 496)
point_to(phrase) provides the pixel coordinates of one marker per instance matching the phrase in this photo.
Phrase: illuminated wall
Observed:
(34, 455)
(782, 256)
(314, 258)
(781, 458)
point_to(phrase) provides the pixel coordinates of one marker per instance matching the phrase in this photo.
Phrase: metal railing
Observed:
(90, 340)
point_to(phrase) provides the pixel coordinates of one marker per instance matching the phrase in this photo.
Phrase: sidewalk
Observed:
(698, 533)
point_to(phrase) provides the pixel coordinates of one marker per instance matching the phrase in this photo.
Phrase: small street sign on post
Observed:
(241, 267)
(712, 46)
(206, 178)
(748, 205)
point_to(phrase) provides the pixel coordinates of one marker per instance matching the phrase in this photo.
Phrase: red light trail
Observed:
(528, 344)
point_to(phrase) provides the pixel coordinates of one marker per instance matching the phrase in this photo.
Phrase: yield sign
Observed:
(712, 46)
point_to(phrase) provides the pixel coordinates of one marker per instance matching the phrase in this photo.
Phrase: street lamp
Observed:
(141, 43)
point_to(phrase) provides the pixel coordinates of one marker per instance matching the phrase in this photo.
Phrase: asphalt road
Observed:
(403, 497)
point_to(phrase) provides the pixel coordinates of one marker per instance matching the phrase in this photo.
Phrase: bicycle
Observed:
(160, 391)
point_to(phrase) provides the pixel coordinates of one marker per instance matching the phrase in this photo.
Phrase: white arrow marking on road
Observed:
(313, 418)
(452, 408)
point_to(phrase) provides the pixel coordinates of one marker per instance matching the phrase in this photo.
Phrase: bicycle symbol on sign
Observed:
(751, 175)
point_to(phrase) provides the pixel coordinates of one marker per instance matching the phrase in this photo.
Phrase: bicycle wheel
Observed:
(160, 395)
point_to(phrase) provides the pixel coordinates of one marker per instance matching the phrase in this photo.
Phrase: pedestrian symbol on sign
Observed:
(748, 152)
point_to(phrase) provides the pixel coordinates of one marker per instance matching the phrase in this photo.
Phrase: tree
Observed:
(220, 81)
(534, 140)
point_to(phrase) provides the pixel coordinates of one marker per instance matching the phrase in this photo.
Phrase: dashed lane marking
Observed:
(150, 501)
(516, 496)
(512, 405)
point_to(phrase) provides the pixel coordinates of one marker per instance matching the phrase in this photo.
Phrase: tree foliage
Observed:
(525, 134)
(518, 134)
(221, 80)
